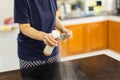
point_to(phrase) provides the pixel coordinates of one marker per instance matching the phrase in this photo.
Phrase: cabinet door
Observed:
(63, 49)
(97, 33)
(75, 45)
(114, 36)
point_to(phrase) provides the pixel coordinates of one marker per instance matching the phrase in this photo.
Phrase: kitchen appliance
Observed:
(118, 6)
(93, 7)
(70, 8)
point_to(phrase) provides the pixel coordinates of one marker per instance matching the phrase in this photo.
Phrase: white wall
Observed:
(8, 40)
(6, 9)
(8, 51)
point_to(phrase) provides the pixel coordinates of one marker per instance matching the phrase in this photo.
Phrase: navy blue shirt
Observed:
(41, 15)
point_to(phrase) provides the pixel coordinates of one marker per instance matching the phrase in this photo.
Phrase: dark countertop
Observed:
(93, 68)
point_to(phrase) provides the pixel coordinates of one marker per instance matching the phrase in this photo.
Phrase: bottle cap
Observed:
(56, 33)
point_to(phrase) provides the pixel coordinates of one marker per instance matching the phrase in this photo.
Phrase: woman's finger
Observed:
(51, 40)
(69, 34)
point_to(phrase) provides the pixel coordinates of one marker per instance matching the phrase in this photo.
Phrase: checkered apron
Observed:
(27, 64)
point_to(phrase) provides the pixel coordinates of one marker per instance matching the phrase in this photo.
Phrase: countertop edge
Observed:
(90, 20)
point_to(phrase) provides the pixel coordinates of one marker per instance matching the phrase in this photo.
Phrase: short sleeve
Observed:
(56, 5)
(21, 14)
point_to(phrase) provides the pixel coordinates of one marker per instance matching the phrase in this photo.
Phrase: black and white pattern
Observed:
(26, 64)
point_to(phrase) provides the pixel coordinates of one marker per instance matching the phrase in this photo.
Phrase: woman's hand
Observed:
(68, 33)
(62, 29)
(48, 39)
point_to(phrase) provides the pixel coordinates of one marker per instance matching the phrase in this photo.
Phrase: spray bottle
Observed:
(48, 49)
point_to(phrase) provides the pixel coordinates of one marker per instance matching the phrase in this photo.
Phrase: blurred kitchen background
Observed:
(72, 13)
(81, 8)
(68, 8)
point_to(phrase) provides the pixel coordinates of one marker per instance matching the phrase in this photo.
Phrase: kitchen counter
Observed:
(113, 18)
(90, 19)
(99, 67)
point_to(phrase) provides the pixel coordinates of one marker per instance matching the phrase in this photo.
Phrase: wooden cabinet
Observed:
(86, 37)
(63, 49)
(75, 45)
(114, 35)
(97, 35)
